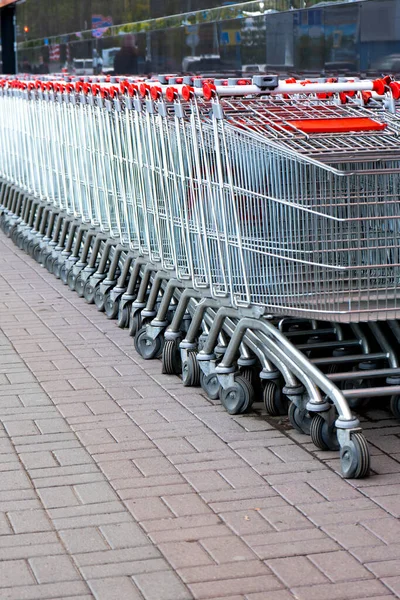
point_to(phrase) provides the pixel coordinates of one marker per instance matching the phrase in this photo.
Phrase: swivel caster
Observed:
(354, 457)
(299, 419)
(323, 435)
(191, 371)
(276, 404)
(210, 385)
(238, 398)
(147, 347)
(171, 358)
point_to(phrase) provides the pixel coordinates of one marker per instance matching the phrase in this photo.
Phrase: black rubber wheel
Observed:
(238, 398)
(111, 307)
(191, 371)
(395, 406)
(171, 358)
(323, 436)
(276, 404)
(210, 385)
(146, 346)
(123, 316)
(71, 279)
(37, 250)
(99, 299)
(135, 323)
(29, 247)
(354, 457)
(79, 286)
(300, 419)
(63, 273)
(88, 292)
(48, 262)
(56, 268)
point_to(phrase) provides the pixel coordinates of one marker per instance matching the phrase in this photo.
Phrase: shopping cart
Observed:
(230, 230)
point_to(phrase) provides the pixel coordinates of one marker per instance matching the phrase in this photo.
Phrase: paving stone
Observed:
(85, 539)
(50, 569)
(197, 574)
(108, 557)
(95, 492)
(148, 508)
(162, 586)
(227, 587)
(341, 591)
(29, 521)
(114, 588)
(126, 535)
(14, 573)
(227, 549)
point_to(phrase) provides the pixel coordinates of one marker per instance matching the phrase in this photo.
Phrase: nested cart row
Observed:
(246, 232)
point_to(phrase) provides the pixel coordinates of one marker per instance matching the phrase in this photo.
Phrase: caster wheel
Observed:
(88, 292)
(354, 457)
(63, 273)
(111, 307)
(299, 419)
(56, 268)
(71, 280)
(14, 235)
(99, 299)
(171, 358)
(191, 371)
(276, 404)
(210, 385)
(123, 316)
(146, 346)
(79, 286)
(48, 263)
(134, 324)
(238, 398)
(323, 436)
(395, 406)
(29, 247)
(37, 252)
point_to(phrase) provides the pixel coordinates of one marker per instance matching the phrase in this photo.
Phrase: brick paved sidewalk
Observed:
(119, 484)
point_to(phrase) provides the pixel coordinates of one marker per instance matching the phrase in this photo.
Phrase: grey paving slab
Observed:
(117, 483)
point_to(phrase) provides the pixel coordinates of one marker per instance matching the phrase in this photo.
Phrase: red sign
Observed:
(6, 2)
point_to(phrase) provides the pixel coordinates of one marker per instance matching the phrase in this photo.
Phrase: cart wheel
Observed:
(238, 398)
(395, 406)
(146, 346)
(89, 292)
(354, 457)
(36, 252)
(299, 419)
(123, 316)
(19, 239)
(134, 324)
(111, 307)
(276, 404)
(14, 235)
(210, 385)
(79, 286)
(171, 358)
(191, 371)
(63, 274)
(48, 263)
(99, 299)
(247, 373)
(323, 436)
(29, 247)
(71, 279)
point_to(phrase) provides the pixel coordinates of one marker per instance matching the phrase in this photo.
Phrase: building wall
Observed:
(214, 35)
